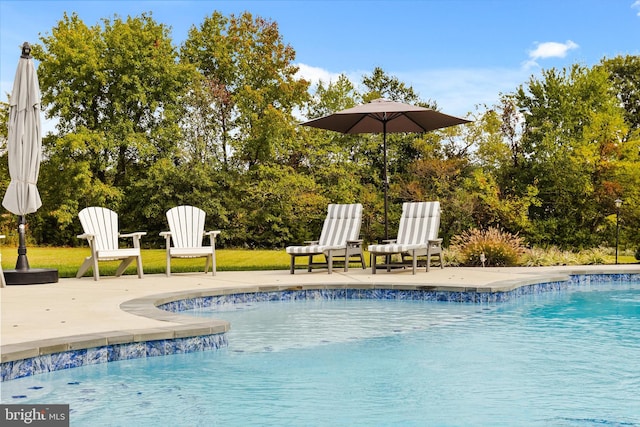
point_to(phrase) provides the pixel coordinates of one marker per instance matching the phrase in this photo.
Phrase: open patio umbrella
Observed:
(385, 116)
(24, 146)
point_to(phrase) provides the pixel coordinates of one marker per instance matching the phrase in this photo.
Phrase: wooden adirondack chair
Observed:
(100, 227)
(186, 225)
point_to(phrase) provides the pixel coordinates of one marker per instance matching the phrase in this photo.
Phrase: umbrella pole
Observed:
(385, 179)
(22, 263)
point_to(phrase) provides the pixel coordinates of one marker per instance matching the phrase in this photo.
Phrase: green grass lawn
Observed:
(68, 260)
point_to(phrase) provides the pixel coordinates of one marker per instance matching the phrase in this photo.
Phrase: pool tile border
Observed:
(192, 334)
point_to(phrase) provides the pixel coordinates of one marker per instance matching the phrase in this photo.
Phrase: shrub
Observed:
(536, 257)
(451, 257)
(500, 248)
(592, 256)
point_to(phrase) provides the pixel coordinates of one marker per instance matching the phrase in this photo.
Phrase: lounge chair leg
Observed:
(293, 263)
(415, 261)
(428, 259)
(373, 264)
(330, 262)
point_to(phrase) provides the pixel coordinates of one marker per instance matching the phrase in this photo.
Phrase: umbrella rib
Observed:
(348, 130)
(416, 123)
(386, 118)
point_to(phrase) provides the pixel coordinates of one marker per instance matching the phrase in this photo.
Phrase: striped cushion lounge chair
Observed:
(338, 239)
(186, 225)
(417, 236)
(100, 227)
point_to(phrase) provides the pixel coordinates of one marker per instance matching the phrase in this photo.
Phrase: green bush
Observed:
(537, 257)
(499, 247)
(593, 256)
(451, 257)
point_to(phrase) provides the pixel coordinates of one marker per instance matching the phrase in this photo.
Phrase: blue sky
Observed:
(458, 53)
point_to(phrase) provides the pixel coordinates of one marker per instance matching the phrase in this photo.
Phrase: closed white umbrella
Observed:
(24, 145)
(24, 140)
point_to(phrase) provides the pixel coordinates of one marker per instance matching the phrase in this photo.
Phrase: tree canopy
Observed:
(143, 125)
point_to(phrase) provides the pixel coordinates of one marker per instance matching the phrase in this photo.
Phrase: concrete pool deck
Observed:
(81, 313)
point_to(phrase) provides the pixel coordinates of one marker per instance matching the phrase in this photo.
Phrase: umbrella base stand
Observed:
(31, 276)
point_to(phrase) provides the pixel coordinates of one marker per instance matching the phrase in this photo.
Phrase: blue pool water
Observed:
(569, 358)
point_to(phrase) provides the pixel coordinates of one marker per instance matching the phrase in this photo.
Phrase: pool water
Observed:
(568, 358)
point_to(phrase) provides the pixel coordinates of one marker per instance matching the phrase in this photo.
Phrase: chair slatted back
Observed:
(419, 223)
(341, 224)
(103, 224)
(186, 224)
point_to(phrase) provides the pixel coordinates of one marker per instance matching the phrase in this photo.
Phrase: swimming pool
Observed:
(557, 358)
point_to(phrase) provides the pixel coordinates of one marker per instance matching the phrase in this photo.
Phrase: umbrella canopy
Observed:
(24, 139)
(385, 116)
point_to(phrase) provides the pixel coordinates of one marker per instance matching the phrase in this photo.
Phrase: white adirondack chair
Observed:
(100, 227)
(186, 225)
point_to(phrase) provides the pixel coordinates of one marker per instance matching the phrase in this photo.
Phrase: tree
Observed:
(571, 144)
(625, 78)
(252, 89)
(113, 89)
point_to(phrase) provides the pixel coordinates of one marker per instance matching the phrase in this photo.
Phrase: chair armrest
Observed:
(134, 234)
(354, 243)
(85, 236)
(167, 238)
(212, 236)
(136, 237)
(435, 242)
(311, 242)
(389, 240)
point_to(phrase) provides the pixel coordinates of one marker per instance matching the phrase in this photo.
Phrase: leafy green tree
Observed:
(252, 86)
(336, 162)
(571, 144)
(625, 78)
(113, 89)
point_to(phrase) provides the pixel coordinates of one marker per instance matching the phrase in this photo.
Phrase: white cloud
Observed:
(549, 50)
(552, 50)
(636, 4)
(315, 74)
